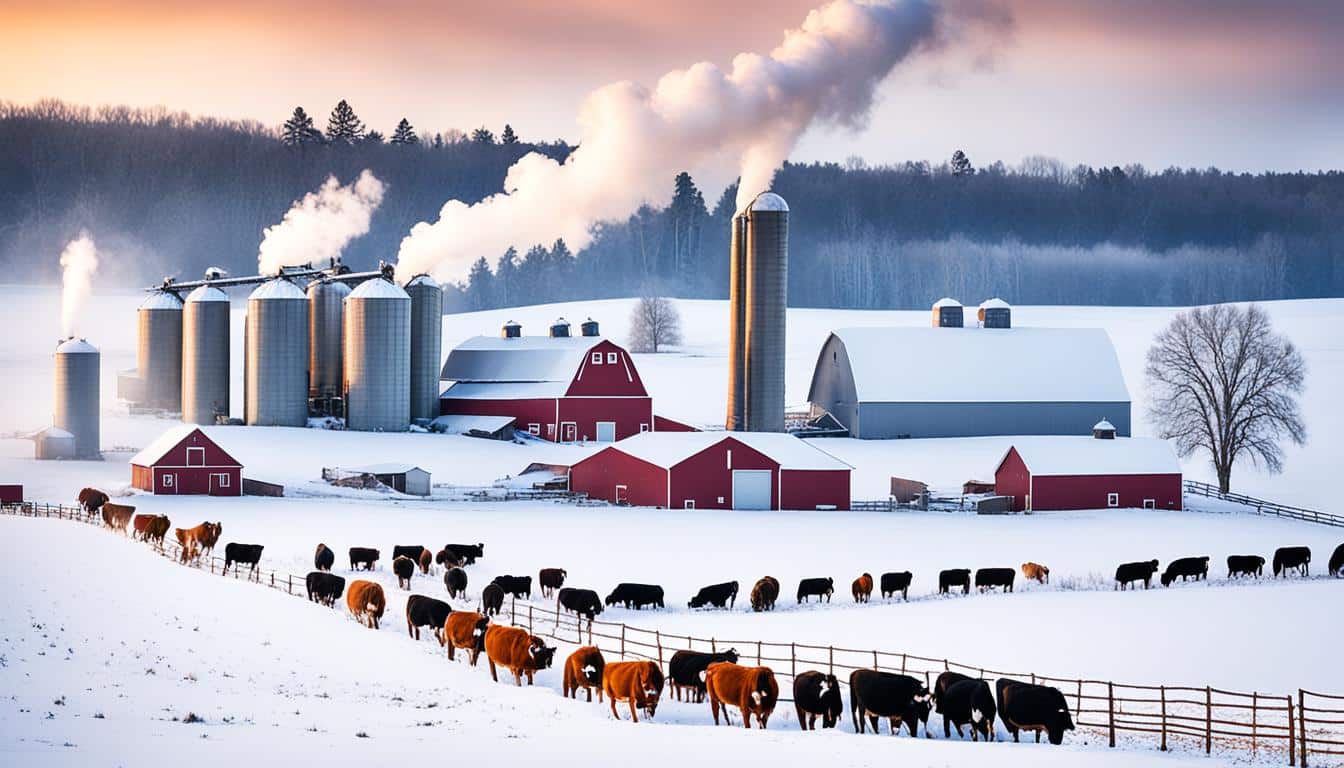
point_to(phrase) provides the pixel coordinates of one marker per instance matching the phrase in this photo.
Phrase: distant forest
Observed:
(174, 194)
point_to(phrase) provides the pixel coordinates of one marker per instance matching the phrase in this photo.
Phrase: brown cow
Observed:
(140, 524)
(764, 594)
(426, 560)
(863, 588)
(404, 567)
(209, 537)
(583, 669)
(465, 630)
(91, 500)
(752, 690)
(517, 651)
(1036, 571)
(117, 516)
(151, 527)
(193, 540)
(366, 602)
(639, 682)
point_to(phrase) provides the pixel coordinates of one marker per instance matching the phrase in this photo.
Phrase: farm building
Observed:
(1057, 473)
(184, 460)
(559, 387)
(11, 494)
(714, 470)
(404, 478)
(883, 383)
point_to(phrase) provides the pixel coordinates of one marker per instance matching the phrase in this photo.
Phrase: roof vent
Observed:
(511, 330)
(560, 329)
(947, 313)
(589, 328)
(1103, 430)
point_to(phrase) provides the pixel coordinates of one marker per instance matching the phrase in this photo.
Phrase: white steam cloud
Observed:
(716, 124)
(79, 261)
(318, 227)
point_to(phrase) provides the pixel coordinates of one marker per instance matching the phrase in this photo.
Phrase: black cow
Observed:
(411, 551)
(455, 579)
(1290, 558)
(968, 702)
(404, 567)
(467, 552)
(815, 693)
(718, 595)
(243, 554)
(518, 586)
(324, 558)
(551, 579)
(365, 556)
(817, 587)
(1129, 573)
(954, 577)
(636, 595)
(686, 671)
(448, 559)
(899, 698)
(1336, 566)
(897, 581)
(422, 611)
(989, 578)
(940, 686)
(584, 602)
(1245, 565)
(492, 599)
(1186, 568)
(1027, 707)
(325, 588)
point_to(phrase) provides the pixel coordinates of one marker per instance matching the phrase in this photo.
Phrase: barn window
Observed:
(168, 481)
(643, 427)
(1150, 503)
(720, 499)
(730, 458)
(611, 358)
(195, 457)
(1112, 499)
(534, 428)
(597, 358)
(223, 480)
(688, 504)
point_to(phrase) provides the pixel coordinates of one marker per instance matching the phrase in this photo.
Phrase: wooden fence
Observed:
(1263, 507)
(1255, 724)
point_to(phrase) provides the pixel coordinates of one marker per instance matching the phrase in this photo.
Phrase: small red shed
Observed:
(11, 494)
(714, 470)
(184, 460)
(1059, 473)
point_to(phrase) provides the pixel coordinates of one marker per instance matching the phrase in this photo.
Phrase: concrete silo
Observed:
(426, 345)
(326, 318)
(76, 412)
(275, 356)
(378, 357)
(205, 356)
(766, 284)
(737, 323)
(159, 351)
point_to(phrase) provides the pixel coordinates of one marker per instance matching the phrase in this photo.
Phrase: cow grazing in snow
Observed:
(638, 682)
(584, 602)
(91, 500)
(1245, 565)
(465, 630)
(192, 541)
(551, 579)
(242, 554)
(896, 581)
(467, 553)
(323, 558)
(718, 595)
(411, 551)
(583, 669)
(686, 671)
(492, 599)
(117, 516)
(1027, 707)
(1336, 565)
(425, 560)
(954, 577)
(404, 568)
(816, 587)
(455, 579)
(764, 594)
(968, 702)
(636, 595)
(898, 698)
(1185, 568)
(363, 556)
(989, 578)
(366, 602)
(1129, 573)
(1292, 559)
(423, 611)
(753, 690)
(862, 588)
(448, 559)
(817, 694)
(324, 588)
(517, 651)
(1036, 572)
(518, 586)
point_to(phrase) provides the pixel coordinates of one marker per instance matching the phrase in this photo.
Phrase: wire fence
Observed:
(1264, 507)
(1255, 724)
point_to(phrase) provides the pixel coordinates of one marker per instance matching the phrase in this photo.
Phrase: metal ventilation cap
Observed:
(207, 293)
(74, 346)
(1103, 426)
(162, 300)
(278, 288)
(769, 201)
(946, 301)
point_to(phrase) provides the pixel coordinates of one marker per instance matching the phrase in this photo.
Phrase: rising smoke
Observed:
(716, 124)
(79, 261)
(318, 227)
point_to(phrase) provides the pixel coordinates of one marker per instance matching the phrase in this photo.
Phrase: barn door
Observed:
(569, 432)
(168, 482)
(606, 431)
(751, 489)
(622, 495)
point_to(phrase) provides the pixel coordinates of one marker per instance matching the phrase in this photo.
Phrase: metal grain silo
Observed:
(378, 357)
(766, 282)
(737, 324)
(158, 353)
(205, 355)
(275, 356)
(76, 412)
(326, 315)
(426, 345)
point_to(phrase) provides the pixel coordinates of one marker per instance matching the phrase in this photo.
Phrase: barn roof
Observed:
(506, 390)
(1069, 455)
(519, 359)
(461, 424)
(667, 449)
(974, 365)
(386, 469)
(156, 450)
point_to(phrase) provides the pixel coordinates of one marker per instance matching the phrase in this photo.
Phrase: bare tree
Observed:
(1222, 380)
(654, 324)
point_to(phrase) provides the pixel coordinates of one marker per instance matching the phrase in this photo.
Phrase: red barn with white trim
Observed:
(1059, 473)
(184, 461)
(714, 470)
(560, 388)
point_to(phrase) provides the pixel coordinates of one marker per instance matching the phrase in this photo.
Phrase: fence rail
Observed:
(1264, 507)
(1165, 716)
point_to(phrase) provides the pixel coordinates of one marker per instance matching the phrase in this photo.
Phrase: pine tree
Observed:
(405, 134)
(508, 136)
(438, 141)
(480, 285)
(370, 137)
(506, 278)
(483, 135)
(961, 164)
(687, 216)
(344, 126)
(299, 130)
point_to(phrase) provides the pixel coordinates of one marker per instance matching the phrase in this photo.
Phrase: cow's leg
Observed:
(450, 651)
(714, 708)
(947, 728)
(493, 676)
(614, 713)
(634, 718)
(802, 717)
(1038, 735)
(517, 678)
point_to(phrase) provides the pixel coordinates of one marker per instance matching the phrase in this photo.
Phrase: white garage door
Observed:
(751, 489)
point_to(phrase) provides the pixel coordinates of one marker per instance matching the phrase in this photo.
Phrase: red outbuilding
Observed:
(714, 470)
(561, 388)
(183, 461)
(1058, 473)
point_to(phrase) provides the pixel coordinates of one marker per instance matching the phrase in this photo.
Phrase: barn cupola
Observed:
(511, 330)
(947, 313)
(1103, 430)
(589, 328)
(560, 329)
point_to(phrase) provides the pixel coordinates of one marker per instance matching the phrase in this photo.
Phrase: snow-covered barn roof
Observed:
(461, 424)
(507, 390)
(385, 469)
(1069, 455)
(667, 449)
(150, 454)
(976, 365)
(519, 359)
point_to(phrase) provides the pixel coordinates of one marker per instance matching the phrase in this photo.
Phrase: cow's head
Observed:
(611, 599)
(695, 602)
(730, 655)
(541, 655)
(1166, 579)
(651, 684)
(478, 633)
(592, 674)
(1152, 566)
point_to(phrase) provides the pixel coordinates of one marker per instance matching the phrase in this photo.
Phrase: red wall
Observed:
(628, 413)
(619, 378)
(11, 494)
(214, 455)
(664, 424)
(599, 474)
(1089, 491)
(1013, 479)
(193, 479)
(808, 488)
(196, 481)
(706, 476)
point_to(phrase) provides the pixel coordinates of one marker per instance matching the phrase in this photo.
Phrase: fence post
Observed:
(1208, 720)
(622, 640)
(1110, 711)
(1292, 742)
(529, 618)
(830, 659)
(758, 653)
(874, 661)
(272, 579)
(1079, 707)
(904, 656)
(290, 579)
(1302, 723)
(1163, 689)
(658, 638)
(712, 647)
(1255, 708)
(793, 660)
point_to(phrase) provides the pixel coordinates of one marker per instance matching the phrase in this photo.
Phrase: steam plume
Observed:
(318, 227)
(79, 261)
(717, 124)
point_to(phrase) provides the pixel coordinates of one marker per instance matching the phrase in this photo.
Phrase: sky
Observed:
(1238, 84)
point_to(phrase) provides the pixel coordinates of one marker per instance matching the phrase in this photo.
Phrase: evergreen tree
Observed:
(480, 285)
(508, 136)
(961, 164)
(438, 141)
(405, 134)
(371, 137)
(483, 135)
(299, 130)
(506, 279)
(687, 215)
(344, 126)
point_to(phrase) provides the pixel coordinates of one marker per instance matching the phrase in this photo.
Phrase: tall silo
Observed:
(205, 355)
(275, 356)
(326, 316)
(159, 351)
(378, 357)
(767, 247)
(77, 363)
(737, 324)
(426, 345)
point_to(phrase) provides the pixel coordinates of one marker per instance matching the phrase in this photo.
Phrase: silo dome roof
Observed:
(162, 300)
(422, 280)
(769, 201)
(207, 293)
(994, 303)
(946, 302)
(73, 346)
(378, 288)
(1103, 426)
(279, 288)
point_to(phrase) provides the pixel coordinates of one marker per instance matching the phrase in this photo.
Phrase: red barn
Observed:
(560, 388)
(184, 460)
(1056, 473)
(714, 470)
